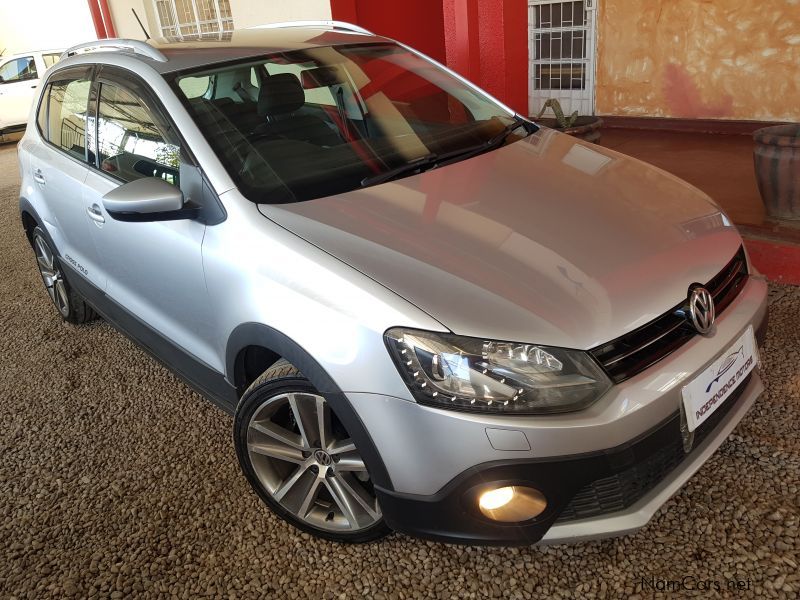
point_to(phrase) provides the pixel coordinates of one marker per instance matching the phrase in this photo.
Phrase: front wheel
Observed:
(301, 461)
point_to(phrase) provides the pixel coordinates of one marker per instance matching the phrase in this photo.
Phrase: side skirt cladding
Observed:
(205, 380)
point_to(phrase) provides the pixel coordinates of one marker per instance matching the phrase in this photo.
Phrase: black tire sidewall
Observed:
(252, 399)
(39, 232)
(79, 311)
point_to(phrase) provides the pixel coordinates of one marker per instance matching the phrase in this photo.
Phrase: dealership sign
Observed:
(708, 391)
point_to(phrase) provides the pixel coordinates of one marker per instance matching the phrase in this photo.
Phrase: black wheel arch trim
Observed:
(26, 207)
(258, 334)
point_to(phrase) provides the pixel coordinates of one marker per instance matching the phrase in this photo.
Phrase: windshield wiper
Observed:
(409, 167)
(436, 159)
(489, 144)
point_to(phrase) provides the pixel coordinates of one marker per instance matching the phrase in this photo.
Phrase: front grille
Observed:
(641, 348)
(617, 492)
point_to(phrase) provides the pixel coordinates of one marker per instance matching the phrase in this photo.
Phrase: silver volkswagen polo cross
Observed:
(426, 313)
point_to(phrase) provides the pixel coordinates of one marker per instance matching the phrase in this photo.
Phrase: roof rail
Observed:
(135, 46)
(344, 26)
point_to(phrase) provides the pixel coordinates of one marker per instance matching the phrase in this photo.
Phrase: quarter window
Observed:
(18, 69)
(67, 102)
(131, 140)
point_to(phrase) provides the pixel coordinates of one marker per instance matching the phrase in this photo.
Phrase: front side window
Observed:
(305, 124)
(132, 141)
(67, 103)
(18, 69)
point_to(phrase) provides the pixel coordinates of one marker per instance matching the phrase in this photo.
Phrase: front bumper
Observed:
(628, 446)
(451, 514)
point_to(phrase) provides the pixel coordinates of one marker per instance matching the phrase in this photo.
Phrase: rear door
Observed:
(59, 167)
(18, 87)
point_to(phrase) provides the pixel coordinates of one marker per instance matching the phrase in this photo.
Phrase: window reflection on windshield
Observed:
(311, 123)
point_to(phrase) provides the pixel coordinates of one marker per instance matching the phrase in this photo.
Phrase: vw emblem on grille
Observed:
(701, 309)
(323, 458)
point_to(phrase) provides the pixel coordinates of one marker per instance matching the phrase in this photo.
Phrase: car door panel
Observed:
(18, 90)
(58, 170)
(153, 269)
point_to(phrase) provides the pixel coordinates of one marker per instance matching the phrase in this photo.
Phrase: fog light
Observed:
(511, 504)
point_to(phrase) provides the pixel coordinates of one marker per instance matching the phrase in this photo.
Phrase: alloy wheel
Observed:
(304, 458)
(51, 274)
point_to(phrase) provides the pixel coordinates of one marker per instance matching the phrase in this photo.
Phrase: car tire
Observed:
(300, 460)
(70, 305)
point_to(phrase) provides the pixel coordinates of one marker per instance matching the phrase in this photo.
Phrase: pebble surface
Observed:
(117, 480)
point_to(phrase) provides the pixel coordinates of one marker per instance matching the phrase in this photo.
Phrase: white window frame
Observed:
(216, 28)
(582, 100)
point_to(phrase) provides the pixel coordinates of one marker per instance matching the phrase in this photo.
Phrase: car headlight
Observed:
(465, 373)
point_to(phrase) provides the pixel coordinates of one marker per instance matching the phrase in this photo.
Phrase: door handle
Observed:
(33, 87)
(94, 214)
(38, 177)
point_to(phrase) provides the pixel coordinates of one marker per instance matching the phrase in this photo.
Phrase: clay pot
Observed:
(586, 128)
(777, 162)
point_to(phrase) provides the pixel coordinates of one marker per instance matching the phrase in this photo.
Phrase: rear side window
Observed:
(50, 59)
(67, 103)
(18, 69)
(131, 139)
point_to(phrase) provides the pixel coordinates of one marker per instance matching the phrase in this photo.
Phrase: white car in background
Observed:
(20, 75)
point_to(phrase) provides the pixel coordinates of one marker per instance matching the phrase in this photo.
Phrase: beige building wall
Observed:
(246, 13)
(44, 24)
(721, 59)
(125, 23)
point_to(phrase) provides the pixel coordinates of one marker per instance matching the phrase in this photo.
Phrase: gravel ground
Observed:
(116, 479)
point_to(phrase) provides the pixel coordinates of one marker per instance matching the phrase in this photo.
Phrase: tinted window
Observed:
(67, 103)
(18, 69)
(194, 87)
(50, 59)
(131, 139)
(326, 120)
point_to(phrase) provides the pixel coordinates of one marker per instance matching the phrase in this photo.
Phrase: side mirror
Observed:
(148, 199)
(2, 80)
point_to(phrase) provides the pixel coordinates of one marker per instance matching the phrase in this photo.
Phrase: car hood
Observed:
(547, 240)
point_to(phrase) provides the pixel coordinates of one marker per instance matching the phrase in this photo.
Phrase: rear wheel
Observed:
(301, 461)
(70, 305)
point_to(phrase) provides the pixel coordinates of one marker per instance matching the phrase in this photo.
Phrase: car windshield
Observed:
(305, 124)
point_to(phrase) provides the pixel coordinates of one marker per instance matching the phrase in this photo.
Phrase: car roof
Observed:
(242, 44)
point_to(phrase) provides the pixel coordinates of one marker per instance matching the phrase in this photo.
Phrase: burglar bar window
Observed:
(194, 19)
(559, 31)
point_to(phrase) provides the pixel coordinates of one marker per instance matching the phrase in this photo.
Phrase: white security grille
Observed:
(194, 19)
(561, 50)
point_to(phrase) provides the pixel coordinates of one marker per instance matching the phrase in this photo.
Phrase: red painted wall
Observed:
(418, 23)
(486, 41)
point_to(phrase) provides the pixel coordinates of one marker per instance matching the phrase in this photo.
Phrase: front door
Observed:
(20, 78)
(561, 54)
(154, 269)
